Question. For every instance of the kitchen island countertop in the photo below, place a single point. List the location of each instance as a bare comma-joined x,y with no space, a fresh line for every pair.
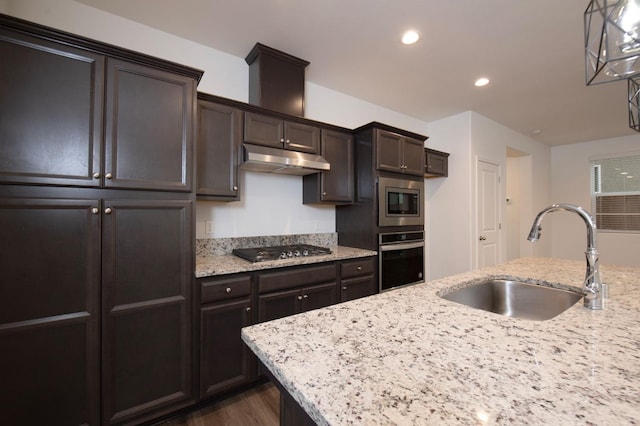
210,265
409,357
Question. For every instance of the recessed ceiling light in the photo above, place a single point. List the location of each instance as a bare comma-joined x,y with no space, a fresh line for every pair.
410,37
483,81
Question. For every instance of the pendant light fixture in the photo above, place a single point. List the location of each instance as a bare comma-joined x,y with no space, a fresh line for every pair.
612,40
634,103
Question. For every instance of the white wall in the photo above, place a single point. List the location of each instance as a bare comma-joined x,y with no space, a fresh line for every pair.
571,184
490,141
451,202
448,200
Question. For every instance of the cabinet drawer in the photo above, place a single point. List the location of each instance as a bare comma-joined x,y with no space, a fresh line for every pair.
355,268
224,289
295,278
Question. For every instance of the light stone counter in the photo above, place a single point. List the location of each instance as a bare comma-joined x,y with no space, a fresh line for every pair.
209,265
409,357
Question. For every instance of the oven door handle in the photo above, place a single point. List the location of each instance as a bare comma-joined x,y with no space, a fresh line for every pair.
402,246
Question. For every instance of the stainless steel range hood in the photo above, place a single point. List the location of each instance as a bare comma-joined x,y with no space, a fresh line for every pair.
273,160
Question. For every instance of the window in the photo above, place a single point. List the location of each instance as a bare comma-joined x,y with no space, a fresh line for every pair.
615,193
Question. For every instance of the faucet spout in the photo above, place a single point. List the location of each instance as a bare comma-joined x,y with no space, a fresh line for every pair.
593,287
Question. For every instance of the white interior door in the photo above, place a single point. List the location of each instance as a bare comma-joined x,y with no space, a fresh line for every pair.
488,209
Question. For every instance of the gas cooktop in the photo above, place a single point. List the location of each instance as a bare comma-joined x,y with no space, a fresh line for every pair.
261,254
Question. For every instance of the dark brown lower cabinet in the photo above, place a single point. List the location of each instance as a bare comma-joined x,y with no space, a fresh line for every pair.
283,303
49,311
95,308
225,361
358,278
146,309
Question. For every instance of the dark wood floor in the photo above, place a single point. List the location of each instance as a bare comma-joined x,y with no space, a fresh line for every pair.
259,406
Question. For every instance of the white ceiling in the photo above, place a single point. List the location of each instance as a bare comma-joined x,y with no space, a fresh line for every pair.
532,50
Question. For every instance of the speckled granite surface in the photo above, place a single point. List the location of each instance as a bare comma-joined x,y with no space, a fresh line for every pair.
222,246
209,265
409,357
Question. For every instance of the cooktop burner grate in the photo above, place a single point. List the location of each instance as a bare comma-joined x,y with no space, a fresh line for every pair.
262,254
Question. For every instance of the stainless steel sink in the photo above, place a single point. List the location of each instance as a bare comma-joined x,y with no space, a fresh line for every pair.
515,299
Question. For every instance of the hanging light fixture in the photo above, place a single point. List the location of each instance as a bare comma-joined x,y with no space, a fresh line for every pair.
634,103
612,40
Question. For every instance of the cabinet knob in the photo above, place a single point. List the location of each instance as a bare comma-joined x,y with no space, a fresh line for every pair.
228,290
287,142
305,296
248,308
344,288
324,193
359,268
96,175
108,210
483,238
95,210
108,176
235,188
299,297
282,140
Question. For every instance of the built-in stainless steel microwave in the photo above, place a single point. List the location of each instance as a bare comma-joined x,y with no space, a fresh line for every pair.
400,202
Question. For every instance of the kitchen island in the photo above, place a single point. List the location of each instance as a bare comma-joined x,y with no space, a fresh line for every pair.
409,357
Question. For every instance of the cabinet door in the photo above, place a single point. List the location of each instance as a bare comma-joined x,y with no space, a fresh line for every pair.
146,308
149,128
301,137
337,184
219,138
279,304
263,130
413,157
354,288
319,296
389,151
50,112
225,361
436,163
49,307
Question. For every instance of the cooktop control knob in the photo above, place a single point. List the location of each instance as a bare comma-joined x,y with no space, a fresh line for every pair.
305,252
296,253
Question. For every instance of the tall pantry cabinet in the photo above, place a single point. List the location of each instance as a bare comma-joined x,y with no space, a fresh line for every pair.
96,230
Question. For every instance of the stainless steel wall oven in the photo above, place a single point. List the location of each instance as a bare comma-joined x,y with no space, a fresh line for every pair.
401,259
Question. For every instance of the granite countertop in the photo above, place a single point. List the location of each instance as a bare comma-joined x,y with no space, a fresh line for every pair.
409,357
210,265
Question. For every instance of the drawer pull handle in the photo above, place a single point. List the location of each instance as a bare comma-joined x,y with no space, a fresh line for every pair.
228,290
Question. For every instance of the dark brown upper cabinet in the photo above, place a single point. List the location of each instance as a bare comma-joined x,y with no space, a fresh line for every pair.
51,111
57,97
436,163
271,131
149,128
399,154
336,185
218,151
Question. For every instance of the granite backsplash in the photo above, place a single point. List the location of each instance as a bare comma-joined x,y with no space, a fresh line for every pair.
222,246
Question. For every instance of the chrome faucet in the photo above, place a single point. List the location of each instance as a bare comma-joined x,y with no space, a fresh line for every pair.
593,287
